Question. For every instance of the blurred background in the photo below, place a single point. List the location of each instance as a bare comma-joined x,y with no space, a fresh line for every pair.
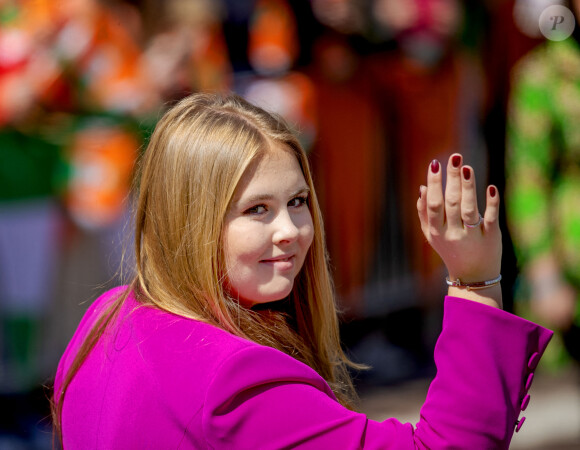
376,89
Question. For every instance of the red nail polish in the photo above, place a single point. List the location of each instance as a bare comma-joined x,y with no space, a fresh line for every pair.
434,166
455,160
492,191
466,173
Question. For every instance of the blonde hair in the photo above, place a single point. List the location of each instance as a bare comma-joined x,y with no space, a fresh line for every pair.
195,159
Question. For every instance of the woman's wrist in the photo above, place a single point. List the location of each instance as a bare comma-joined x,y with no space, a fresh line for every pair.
490,296
474,285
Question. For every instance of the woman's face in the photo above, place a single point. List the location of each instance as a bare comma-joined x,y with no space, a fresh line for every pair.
268,229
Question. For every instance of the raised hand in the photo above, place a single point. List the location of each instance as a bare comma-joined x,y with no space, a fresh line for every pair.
469,244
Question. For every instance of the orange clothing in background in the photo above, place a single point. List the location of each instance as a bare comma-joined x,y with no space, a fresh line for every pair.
348,163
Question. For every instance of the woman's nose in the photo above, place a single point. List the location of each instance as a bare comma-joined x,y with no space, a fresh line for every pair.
285,228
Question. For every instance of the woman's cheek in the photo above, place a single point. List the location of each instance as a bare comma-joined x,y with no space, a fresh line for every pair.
252,241
308,231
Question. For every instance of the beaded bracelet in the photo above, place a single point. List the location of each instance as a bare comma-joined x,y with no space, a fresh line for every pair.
475,285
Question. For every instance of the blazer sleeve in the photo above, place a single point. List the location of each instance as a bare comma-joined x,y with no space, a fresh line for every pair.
262,398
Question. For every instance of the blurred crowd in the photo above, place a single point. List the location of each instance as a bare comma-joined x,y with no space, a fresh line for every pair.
376,89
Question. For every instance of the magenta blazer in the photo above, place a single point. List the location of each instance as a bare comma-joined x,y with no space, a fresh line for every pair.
161,381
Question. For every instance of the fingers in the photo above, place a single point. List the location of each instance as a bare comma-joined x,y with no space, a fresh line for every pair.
422,209
434,200
458,207
491,217
469,209
453,194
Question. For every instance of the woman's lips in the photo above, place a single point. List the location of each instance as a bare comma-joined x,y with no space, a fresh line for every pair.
285,262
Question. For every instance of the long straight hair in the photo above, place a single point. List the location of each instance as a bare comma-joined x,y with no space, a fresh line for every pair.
196,157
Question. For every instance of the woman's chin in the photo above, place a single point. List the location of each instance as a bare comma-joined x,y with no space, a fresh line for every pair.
267,298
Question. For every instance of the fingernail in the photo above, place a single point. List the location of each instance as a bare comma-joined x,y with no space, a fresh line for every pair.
420,192
492,191
455,160
434,166
466,173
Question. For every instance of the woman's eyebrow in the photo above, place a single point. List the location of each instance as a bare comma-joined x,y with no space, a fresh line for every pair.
256,198
264,197
304,190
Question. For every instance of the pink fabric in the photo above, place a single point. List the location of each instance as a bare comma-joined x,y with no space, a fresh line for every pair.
164,381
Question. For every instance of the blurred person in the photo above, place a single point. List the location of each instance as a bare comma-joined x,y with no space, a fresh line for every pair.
187,52
30,214
90,104
103,57
107,101
344,16
273,81
543,183
227,337
112,104
349,139
31,222
66,69
430,93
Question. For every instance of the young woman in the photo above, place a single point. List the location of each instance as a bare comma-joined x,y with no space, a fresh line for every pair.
228,337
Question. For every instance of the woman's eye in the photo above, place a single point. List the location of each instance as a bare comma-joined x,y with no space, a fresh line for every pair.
298,201
258,209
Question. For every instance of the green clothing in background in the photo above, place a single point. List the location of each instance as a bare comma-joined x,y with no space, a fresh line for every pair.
28,165
543,158
543,171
